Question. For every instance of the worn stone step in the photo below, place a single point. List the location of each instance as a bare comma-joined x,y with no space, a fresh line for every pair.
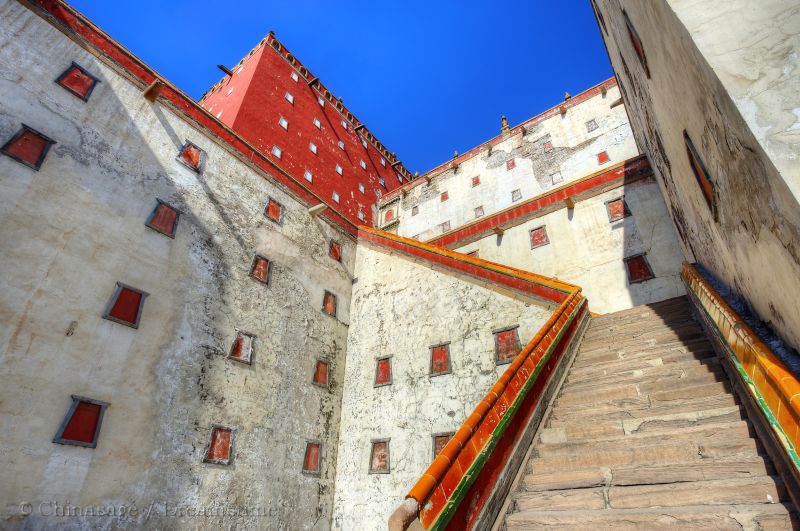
636,408
646,310
587,376
622,329
649,343
616,352
651,374
705,470
681,390
656,359
704,517
560,499
642,335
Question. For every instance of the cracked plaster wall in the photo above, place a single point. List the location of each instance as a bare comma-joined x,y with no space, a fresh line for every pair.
71,230
401,308
574,155
727,75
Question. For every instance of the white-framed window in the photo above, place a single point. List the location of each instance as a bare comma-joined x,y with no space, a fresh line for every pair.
317,123
341,144
382,182
344,124
230,91
289,97
339,169
308,176
399,178
313,147
363,164
378,193
277,151
284,123
295,77
361,215
364,143
383,162
335,197
321,101
361,188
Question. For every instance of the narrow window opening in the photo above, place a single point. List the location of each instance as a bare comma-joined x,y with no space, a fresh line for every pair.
638,268
220,446
440,359
81,424
78,81
383,371
125,306
329,304
539,237
28,147
379,457
274,211
163,219
311,460
507,344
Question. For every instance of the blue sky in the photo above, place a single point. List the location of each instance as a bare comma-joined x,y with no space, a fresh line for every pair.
426,77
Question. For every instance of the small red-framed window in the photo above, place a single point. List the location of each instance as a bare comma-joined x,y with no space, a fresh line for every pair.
511,164
312,458
125,306
476,181
638,268
81,424
506,344
260,269
444,197
539,237
603,157
243,347
192,156
335,251
379,457
617,209
164,219
388,216
321,373
440,359
548,146
440,440
274,211
700,174
636,41
329,303
383,371
220,446
28,147
78,81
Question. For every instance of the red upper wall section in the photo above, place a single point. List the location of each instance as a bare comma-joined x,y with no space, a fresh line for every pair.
253,101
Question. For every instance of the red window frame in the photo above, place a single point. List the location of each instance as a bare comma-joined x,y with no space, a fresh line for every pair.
440,359
321,376
383,371
161,217
603,157
540,243
476,181
386,467
611,207
238,344
312,458
186,157
78,81
638,268
335,250
329,303
220,447
511,164
444,197
13,148
261,269
273,211
82,422
501,338
119,308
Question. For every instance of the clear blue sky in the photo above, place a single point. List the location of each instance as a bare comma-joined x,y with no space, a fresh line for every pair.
427,77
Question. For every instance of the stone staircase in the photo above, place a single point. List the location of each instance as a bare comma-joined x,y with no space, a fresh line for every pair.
646,434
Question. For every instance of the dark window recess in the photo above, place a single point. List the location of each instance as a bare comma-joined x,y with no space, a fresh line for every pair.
414,210
243,347
78,81
260,269
379,457
511,164
329,303
192,156
440,359
164,219
125,306
311,459
220,446
321,373
473,253
617,209
335,251
81,425
274,211
600,17
678,224
700,174
507,344
440,441
476,181
638,268
636,41
383,371
603,157
539,237
591,125
28,146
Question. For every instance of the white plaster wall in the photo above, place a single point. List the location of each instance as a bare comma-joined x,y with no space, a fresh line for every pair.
401,308
725,74
588,250
574,156
71,230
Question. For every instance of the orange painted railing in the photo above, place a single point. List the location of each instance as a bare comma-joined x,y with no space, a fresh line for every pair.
774,389
454,489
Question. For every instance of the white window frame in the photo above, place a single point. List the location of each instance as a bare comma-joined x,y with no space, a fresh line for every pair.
288,96
312,147
283,122
278,152
308,176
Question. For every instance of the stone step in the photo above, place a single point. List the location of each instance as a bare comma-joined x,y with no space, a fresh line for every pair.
615,352
589,351
646,335
589,376
702,434
689,389
655,359
635,408
703,517
680,453
712,368
754,490
622,329
705,470
646,311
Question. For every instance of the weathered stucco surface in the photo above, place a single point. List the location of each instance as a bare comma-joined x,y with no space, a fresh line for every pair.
71,230
574,155
588,250
739,126
401,308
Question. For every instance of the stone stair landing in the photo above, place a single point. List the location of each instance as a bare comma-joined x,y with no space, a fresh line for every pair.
645,434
